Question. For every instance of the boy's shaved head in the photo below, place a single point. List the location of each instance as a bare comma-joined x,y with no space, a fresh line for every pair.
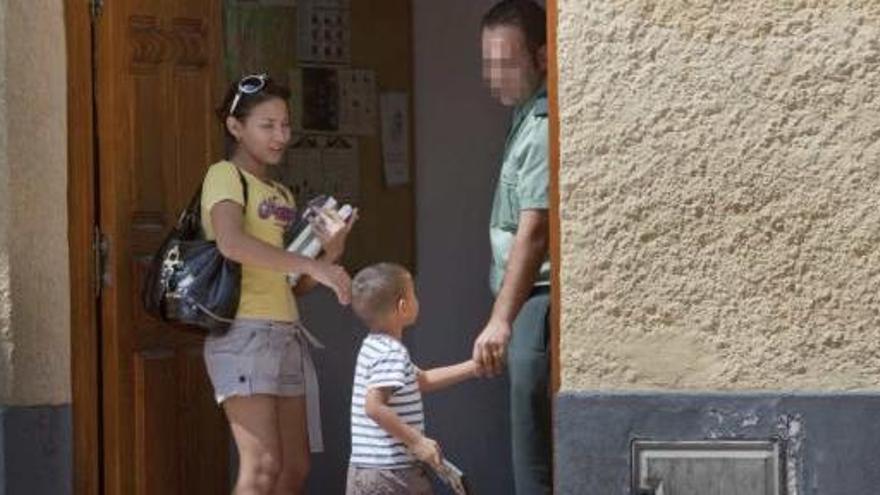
376,289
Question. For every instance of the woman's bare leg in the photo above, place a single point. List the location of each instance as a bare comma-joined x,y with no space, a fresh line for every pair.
295,454
254,423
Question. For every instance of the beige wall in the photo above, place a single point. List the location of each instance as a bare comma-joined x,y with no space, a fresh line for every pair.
34,294
720,184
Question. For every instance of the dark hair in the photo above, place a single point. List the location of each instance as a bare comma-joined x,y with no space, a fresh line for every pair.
376,289
527,15
246,103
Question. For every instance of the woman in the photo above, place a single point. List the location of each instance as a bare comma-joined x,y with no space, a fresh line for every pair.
261,369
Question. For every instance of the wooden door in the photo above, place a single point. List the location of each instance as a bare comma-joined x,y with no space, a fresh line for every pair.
157,73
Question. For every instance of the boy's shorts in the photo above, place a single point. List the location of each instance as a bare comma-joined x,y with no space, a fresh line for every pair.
374,481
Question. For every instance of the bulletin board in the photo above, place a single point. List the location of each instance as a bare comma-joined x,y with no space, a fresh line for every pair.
349,64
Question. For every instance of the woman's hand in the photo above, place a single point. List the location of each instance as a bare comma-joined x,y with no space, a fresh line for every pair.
333,232
334,277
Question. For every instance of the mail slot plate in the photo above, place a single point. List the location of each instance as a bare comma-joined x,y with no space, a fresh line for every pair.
739,467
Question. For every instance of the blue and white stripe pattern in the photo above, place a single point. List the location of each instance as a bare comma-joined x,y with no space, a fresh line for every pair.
383,362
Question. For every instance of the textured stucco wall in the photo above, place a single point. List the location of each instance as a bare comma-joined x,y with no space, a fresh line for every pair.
720,185
35,339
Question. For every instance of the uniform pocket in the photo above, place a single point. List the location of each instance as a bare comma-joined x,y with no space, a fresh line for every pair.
505,214
531,328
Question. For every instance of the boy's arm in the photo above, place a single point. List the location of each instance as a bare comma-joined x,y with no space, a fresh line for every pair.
376,407
438,378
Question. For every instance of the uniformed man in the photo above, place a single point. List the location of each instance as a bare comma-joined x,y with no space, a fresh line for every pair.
517,332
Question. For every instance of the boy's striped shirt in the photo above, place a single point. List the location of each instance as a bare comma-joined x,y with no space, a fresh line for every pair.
384,362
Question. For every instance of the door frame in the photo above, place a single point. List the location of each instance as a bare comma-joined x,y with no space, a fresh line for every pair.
82,205
555,210
85,348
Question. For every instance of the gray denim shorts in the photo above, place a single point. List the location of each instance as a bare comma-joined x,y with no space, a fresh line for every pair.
267,357
373,481
257,357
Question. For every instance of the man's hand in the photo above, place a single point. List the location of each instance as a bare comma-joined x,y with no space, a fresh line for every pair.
490,348
428,451
529,250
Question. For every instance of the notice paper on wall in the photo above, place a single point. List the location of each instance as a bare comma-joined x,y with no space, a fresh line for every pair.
335,100
395,137
341,167
357,93
328,165
266,3
324,31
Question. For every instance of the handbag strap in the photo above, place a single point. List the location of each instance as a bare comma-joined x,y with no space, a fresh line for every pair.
244,186
284,192
195,204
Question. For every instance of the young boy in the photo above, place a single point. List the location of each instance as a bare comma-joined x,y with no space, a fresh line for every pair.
387,421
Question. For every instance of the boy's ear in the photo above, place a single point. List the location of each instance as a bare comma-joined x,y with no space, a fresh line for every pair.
401,305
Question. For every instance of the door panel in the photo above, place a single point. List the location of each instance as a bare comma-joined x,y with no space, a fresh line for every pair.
157,78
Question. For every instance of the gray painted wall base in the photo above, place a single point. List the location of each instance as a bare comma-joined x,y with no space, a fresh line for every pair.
831,442
36,447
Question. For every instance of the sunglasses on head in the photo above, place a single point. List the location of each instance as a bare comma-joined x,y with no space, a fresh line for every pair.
248,85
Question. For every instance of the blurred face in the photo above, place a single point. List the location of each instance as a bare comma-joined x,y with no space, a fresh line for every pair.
511,71
264,134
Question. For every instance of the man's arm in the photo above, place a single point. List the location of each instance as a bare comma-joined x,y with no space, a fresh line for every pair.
528,252
446,376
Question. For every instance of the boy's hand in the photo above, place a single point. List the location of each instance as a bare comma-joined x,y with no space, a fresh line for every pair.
473,368
428,451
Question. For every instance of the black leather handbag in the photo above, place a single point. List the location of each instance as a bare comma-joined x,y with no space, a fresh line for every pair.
189,281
